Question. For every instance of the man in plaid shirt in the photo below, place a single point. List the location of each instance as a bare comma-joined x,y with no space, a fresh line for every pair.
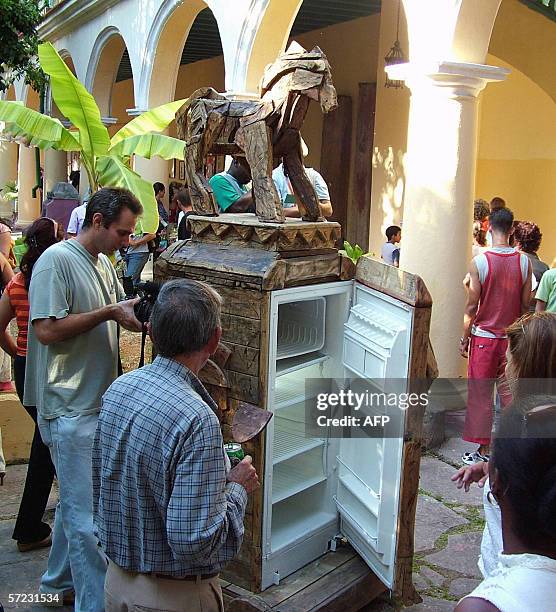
168,510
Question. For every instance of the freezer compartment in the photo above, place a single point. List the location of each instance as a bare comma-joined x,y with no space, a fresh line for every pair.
300,327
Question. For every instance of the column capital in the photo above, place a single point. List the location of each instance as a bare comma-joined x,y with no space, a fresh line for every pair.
135,112
459,80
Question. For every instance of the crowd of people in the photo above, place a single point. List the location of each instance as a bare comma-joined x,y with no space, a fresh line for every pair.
150,509
125,473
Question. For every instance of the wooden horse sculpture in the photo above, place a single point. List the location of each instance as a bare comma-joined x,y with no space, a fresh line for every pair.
264,131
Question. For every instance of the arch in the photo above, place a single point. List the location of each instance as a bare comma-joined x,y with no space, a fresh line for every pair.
456,31
165,42
103,67
529,46
66,56
264,40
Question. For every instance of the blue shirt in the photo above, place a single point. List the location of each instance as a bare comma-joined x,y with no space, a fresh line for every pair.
161,500
284,189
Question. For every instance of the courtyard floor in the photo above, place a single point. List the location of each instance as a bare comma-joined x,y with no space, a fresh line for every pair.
448,534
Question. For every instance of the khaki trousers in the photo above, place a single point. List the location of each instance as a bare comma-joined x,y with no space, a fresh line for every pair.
131,592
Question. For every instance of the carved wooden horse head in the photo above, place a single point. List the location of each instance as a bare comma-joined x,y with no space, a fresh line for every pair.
303,72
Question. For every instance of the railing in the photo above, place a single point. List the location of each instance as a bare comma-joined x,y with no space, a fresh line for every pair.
49,5
546,7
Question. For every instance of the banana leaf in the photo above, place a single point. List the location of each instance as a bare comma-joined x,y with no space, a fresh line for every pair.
147,145
75,103
35,129
155,120
112,172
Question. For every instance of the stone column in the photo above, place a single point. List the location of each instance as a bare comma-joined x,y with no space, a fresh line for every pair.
153,170
8,172
440,180
55,168
28,206
83,182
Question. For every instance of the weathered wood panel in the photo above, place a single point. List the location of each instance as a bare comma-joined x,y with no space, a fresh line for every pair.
336,146
243,387
244,359
240,330
419,370
348,589
404,286
359,213
311,270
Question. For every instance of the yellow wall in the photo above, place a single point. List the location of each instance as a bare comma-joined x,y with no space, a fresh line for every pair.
122,99
190,77
517,152
352,49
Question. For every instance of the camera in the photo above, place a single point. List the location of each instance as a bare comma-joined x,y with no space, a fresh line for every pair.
148,292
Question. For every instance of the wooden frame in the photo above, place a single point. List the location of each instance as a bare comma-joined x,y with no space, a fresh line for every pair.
181,170
245,278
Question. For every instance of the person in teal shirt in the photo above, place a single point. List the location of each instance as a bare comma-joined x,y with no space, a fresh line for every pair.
229,188
546,293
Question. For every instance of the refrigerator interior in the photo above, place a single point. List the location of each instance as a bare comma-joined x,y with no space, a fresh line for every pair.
300,516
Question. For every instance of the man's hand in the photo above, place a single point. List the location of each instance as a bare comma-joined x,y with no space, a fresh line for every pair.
465,476
245,474
464,347
125,316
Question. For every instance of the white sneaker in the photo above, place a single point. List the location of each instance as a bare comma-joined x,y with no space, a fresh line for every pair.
474,457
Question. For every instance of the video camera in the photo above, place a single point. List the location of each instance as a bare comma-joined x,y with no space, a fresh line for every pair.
148,292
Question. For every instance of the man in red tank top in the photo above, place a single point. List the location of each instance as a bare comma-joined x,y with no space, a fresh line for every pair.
499,293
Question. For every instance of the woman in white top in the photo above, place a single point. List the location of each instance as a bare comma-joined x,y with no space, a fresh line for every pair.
530,370
522,476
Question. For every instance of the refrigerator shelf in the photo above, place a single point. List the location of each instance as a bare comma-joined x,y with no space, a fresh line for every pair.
293,476
292,364
300,327
290,442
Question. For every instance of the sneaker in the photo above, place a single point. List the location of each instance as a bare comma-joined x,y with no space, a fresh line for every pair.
474,457
28,546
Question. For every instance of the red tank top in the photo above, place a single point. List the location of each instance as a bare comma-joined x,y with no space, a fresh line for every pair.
500,303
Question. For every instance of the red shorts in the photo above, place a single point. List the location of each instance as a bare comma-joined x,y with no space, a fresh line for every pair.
487,362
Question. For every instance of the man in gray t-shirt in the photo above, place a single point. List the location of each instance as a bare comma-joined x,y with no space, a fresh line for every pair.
72,359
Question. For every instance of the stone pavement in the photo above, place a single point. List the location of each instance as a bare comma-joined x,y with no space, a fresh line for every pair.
447,540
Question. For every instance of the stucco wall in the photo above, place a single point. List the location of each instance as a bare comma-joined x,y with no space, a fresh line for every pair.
517,152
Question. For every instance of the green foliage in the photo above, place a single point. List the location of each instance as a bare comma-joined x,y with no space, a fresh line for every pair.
18,32
9,191
105,160
353,252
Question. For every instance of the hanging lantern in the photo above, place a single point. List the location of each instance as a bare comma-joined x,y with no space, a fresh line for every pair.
395,56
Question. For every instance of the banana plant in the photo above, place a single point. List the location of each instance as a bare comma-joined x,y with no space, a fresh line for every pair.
105,159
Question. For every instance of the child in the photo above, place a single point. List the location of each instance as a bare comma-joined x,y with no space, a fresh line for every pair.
390,251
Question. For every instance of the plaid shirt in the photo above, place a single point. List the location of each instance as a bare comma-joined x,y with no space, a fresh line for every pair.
161,501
